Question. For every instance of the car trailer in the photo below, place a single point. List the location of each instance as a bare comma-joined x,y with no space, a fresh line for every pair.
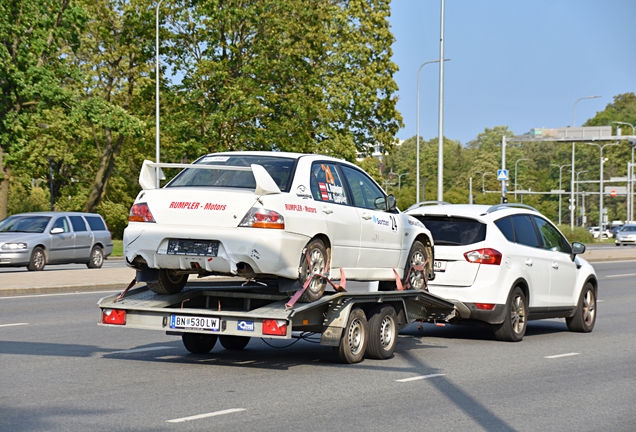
355,324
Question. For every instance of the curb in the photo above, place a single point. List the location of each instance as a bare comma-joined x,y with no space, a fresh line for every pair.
62,289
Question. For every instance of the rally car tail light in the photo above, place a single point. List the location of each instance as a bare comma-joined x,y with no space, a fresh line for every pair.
263,218
114,316
484,256
140,213
274,327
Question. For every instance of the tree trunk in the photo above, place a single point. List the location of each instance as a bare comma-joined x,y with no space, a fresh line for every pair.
4,188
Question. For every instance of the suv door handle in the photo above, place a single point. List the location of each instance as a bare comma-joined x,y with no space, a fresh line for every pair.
555,266
529,262
366,216
327,210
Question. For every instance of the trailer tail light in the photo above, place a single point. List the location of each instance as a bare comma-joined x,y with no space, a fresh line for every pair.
485,306
114,316
484,256
140,213
262,218
274,327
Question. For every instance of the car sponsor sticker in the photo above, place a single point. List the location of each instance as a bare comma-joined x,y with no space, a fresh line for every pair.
245,326
215,159
385,223
187,205
302,192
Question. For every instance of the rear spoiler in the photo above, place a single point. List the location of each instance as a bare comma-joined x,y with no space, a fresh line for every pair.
265,184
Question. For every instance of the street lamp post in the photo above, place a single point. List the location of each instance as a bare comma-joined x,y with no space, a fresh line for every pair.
560,176
600,194
399,178
577,188
483,174
516,175
573,163
157,73
417,132
630,189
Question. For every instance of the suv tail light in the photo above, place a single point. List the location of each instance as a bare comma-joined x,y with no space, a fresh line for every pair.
484,256
262,218
140,213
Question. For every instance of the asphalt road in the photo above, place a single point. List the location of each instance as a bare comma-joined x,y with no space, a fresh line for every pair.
59,371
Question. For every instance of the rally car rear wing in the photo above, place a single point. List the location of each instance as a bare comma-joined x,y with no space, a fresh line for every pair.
265,184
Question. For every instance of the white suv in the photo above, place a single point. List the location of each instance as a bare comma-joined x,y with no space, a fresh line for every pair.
507,264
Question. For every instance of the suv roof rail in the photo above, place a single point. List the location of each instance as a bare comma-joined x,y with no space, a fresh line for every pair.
425,203
510,205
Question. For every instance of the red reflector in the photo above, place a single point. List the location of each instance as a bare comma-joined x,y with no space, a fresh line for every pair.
274,327
114,316
485,306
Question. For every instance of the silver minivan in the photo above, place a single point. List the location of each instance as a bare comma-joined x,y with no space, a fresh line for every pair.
37,239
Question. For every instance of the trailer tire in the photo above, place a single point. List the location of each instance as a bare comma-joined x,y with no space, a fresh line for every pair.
234,343
318,262
198,343
38,260
383,332
169,282
585,316
353,342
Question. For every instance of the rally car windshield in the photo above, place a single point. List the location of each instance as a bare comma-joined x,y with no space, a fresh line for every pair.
279,168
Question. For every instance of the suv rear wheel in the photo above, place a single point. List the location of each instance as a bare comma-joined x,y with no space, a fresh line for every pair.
516,320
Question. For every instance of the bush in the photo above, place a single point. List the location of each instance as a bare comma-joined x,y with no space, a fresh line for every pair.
580,234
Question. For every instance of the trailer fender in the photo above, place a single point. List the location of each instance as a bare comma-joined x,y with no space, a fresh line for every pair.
336,320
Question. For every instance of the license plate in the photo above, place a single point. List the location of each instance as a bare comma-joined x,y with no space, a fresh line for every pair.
194,323
193,247
439,266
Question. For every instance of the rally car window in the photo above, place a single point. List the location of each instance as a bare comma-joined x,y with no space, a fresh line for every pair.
325,183
364,192
279,168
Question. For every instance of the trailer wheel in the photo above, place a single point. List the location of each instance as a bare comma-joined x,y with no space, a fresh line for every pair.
234,343
383,332
38,260
585,315
198,343
353,342
318,259
169,282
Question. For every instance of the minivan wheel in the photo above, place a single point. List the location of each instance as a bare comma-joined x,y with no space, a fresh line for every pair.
38,260
97,258
516,320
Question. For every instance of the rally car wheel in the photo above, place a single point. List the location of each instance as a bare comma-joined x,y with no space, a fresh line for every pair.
317,263
169,282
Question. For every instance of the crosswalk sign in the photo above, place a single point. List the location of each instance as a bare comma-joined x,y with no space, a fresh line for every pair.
502,174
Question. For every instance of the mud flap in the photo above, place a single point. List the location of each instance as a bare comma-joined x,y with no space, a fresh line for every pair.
334,323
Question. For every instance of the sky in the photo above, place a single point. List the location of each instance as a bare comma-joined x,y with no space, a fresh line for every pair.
516,63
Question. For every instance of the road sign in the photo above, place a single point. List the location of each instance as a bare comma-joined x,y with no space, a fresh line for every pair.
613,193
502,174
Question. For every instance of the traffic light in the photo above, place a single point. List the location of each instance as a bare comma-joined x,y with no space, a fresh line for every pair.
504,199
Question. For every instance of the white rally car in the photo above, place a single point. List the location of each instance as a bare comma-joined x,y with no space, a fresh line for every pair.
279,218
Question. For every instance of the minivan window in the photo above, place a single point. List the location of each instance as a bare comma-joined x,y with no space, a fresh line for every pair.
454,231
61,222
26,224
96,223
78,223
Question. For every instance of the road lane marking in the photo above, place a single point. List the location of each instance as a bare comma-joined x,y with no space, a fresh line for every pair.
59,294
200,416
11,325
137,350
421,377
621,275
561,355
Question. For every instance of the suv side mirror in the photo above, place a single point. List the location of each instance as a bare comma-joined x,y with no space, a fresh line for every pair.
577,249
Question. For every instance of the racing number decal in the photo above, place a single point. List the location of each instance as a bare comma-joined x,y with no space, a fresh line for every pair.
328,175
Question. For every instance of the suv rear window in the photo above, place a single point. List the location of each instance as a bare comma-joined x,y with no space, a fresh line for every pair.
454,231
